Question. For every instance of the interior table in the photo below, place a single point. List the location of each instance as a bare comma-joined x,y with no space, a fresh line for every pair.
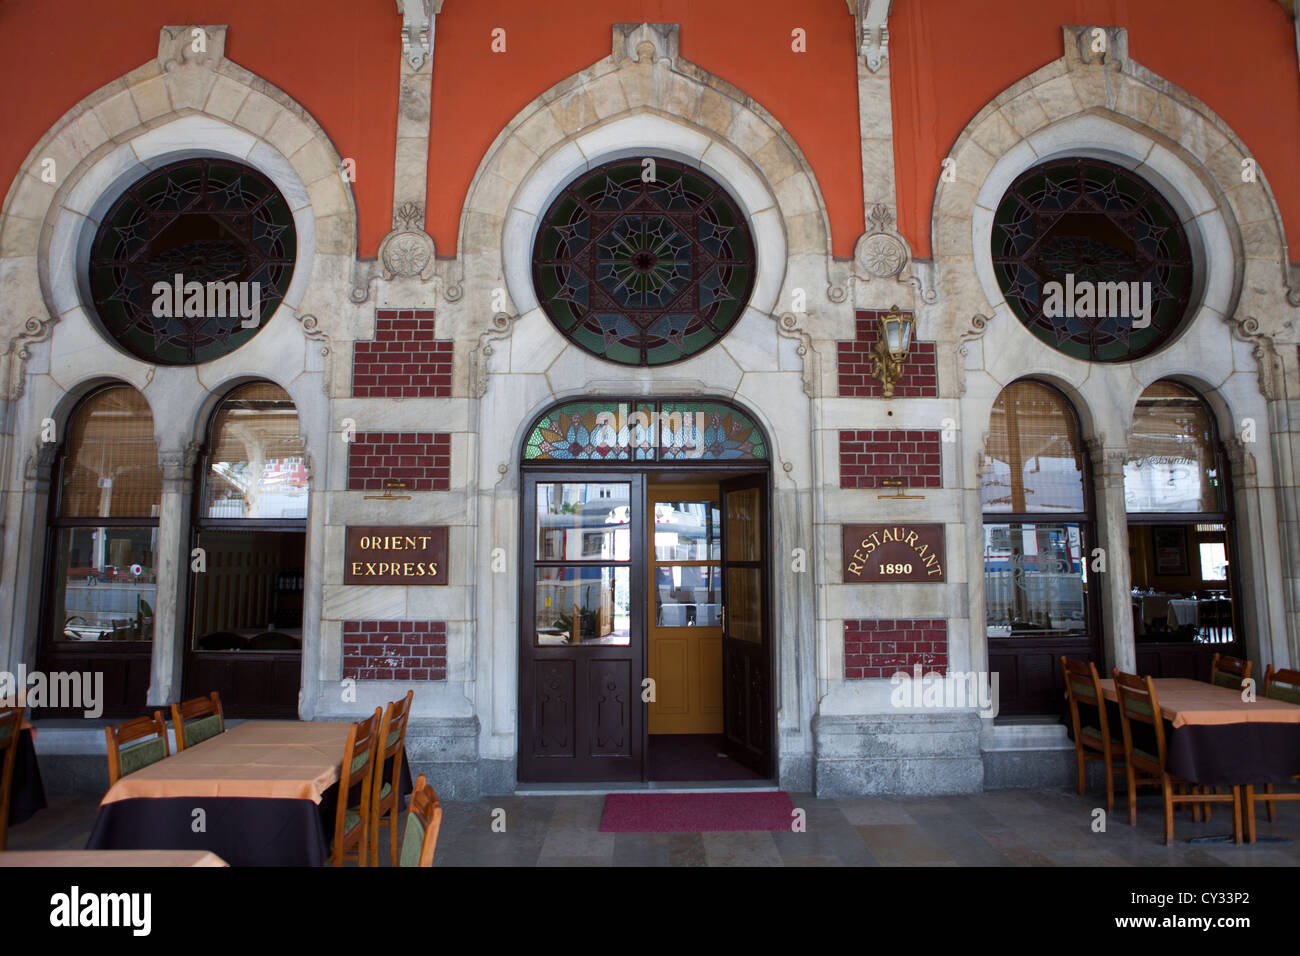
263,793
1214,738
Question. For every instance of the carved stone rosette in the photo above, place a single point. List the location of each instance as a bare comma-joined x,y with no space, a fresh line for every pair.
407,251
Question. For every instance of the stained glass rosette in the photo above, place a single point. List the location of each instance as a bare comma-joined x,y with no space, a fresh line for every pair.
1101,224
209,221
644,272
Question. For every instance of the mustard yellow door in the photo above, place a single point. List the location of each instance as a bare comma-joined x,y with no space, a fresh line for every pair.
685,608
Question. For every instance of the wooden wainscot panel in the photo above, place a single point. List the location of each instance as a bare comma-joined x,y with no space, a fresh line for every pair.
391,554
892,553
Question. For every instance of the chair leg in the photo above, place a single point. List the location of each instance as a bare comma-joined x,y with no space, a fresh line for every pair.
1168,792
1270,805
1248,812
1132,796
1237,808
1110,786
393,816
373,827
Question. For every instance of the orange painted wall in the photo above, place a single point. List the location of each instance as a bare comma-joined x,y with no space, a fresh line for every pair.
747,42
948,58
338,58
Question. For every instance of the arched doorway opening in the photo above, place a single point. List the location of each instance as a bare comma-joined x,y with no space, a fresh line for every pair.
645,641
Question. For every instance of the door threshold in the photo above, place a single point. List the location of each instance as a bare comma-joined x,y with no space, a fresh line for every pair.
656,786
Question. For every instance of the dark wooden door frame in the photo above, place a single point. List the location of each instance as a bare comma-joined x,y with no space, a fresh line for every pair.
641,473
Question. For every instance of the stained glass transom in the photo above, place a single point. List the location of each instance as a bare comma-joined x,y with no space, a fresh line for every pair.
192,260
644,272
663,431
1092,259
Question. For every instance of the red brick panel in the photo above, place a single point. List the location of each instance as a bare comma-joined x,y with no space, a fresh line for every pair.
395,650
920,378
880,649
421,459
866,457
403,360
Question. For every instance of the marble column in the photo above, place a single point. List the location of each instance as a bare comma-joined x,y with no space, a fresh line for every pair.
173,575
1116,582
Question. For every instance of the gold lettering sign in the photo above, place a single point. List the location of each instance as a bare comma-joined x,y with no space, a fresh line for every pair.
395,555
893,553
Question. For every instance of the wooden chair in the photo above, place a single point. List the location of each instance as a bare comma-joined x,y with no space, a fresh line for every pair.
422,824
1093,739
194,721
11,726
385,796
1138,704
1284,685
1229,672
123,759
351,827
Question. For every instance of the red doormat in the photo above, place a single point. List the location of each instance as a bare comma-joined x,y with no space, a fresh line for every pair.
695,812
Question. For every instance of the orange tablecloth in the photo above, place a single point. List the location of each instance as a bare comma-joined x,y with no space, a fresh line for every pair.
267,758
79,858
1186,702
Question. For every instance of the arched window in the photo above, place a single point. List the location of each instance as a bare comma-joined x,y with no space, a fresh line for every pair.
102,583
1038,531
250,524
1180,526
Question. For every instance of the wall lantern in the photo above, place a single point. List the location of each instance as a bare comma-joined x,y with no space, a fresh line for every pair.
892,347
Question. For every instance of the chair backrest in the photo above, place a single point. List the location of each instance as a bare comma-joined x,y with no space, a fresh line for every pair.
1138,702
359,760
1083,689
1283,684
422,824
194,721
125,755
392,740
1228,671
222,641
273,641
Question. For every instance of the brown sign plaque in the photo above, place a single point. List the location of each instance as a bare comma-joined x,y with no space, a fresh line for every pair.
393,554
893,553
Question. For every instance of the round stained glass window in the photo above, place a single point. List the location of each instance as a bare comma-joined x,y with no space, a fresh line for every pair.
1092,259
192,260
644,273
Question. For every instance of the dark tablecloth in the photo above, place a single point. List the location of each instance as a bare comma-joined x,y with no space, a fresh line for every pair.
243,831
29,791
1223,755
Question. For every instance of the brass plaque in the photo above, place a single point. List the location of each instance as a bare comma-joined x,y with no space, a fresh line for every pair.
893,553
395,554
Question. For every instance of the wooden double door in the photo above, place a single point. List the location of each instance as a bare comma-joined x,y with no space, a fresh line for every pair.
644,608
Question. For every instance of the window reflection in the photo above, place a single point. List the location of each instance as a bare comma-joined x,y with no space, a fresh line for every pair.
257,467
583,605
1035,579
583,521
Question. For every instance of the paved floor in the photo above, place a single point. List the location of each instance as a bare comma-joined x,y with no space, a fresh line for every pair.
995,828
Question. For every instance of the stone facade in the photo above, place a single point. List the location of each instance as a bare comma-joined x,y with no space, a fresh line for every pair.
428,370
